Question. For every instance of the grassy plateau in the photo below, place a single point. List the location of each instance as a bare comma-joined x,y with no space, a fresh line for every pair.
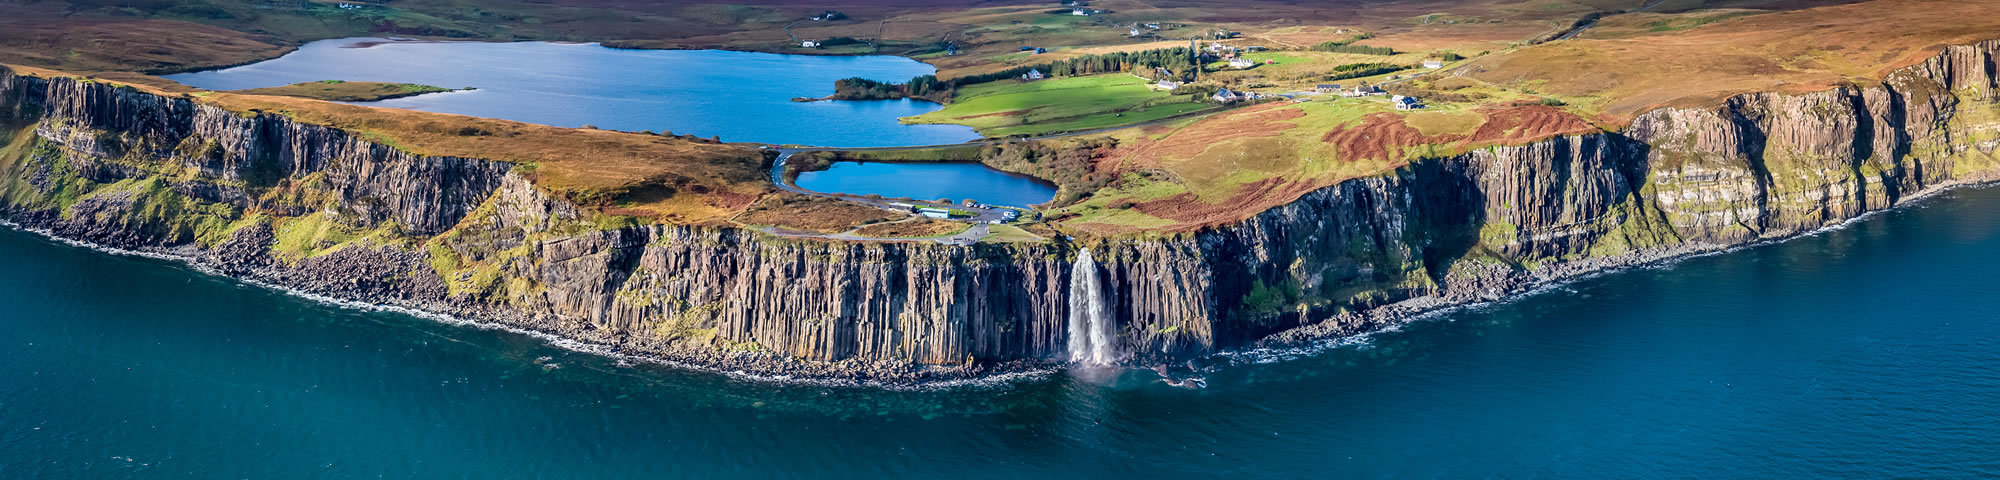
1013,107
1500,84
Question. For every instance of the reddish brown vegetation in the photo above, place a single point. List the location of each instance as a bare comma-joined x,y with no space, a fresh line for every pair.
812,214
1195,214
1383,135
95,45
1378,136
1518,125
1259,121
911,229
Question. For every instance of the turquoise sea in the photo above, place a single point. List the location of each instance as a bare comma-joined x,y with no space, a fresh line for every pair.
1871,351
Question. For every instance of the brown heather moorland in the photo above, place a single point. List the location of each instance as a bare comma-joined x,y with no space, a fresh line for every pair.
1177,176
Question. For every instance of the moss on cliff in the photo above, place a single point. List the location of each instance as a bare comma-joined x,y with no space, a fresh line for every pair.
39,175
305,236
151,206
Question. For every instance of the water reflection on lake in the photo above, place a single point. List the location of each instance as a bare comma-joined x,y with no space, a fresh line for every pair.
739,96
929,181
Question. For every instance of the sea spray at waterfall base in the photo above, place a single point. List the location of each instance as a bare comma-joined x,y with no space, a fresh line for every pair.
1641,373
1093,340
1392,241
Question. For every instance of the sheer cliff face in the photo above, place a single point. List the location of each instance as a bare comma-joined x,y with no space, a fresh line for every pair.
257,195
105,135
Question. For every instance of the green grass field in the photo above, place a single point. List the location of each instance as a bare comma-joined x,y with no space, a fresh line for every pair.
1008,107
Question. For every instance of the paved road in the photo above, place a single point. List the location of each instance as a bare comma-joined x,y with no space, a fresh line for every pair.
996,141
1580,28
970,235
980,214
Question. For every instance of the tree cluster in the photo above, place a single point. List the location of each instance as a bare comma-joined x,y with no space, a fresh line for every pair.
1071,165
1358,70
1348,46
1175,59
925,87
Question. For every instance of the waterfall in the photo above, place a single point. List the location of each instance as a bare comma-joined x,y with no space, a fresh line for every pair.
1093,339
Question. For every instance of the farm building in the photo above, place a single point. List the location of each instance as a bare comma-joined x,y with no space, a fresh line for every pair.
1225,96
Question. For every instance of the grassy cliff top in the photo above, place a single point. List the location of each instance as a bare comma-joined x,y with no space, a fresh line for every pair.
671,179
1012,107
1224,168
345,91
1176,176
1188,175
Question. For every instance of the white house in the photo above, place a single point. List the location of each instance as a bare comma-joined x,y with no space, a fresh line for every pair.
1241,63
1406,103
1225,96
1135,32
1079,12
809,44
1433,63
1168,85
1032,75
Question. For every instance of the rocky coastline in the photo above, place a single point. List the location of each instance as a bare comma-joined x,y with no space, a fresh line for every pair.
474,239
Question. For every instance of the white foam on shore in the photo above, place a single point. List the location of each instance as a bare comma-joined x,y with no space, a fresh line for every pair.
558,341
1245,356
1366,340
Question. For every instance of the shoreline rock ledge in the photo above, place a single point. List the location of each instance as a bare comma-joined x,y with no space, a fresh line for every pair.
473,238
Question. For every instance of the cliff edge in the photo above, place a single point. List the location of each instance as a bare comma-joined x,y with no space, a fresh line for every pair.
270,198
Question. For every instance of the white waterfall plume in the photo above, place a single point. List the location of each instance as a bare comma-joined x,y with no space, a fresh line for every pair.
1093,340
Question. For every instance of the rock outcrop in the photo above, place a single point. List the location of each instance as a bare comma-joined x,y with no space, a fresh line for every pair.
319,209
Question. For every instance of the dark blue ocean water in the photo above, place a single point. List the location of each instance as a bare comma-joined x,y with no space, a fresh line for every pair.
929,181
1867,352
740,96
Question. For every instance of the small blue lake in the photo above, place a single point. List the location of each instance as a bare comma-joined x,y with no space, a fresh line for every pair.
929,181
739,96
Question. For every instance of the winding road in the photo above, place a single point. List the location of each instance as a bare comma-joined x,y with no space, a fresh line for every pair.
1578,29
979,230
981,216
971,235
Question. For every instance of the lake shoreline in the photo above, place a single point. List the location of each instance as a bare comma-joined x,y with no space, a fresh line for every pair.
743,97
794,175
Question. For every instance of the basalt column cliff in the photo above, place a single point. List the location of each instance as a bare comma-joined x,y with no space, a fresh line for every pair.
322,210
